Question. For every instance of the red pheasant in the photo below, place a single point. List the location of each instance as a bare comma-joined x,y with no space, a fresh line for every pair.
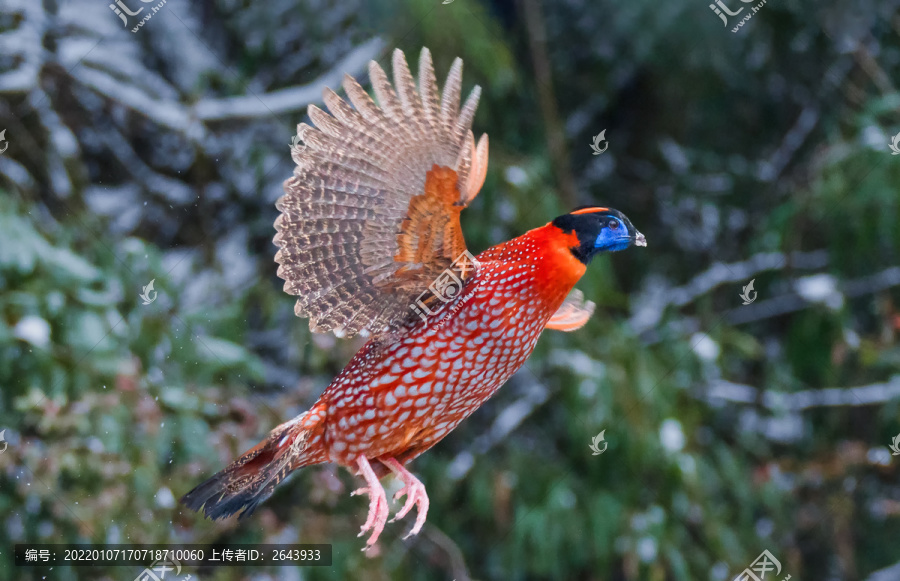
370,242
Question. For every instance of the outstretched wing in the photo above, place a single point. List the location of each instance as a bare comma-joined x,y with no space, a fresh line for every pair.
370,217
572,314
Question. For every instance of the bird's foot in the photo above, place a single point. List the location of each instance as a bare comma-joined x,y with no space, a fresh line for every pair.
415,495
378,507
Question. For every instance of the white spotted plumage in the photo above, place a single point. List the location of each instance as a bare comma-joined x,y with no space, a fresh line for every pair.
370,221
429,377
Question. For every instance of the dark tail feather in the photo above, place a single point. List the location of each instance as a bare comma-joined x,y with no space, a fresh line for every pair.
252,478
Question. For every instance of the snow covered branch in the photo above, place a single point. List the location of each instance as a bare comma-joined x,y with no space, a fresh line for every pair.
657,297
291,98
887,574
827,290
187,118
876,393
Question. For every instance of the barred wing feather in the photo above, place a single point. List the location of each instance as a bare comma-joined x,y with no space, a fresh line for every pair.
371,215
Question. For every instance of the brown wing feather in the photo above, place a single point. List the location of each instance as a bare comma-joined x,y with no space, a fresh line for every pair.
371,214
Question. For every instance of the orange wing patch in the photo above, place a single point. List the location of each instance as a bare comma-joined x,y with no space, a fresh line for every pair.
431,230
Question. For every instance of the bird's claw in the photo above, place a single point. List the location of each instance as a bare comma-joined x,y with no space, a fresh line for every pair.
415,494
413,489
378,514
378,505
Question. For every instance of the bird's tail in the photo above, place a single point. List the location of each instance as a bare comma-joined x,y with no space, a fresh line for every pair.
252,478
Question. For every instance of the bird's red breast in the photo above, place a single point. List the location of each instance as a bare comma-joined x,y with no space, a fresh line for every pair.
398,397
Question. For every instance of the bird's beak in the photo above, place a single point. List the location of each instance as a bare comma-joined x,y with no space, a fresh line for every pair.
639,239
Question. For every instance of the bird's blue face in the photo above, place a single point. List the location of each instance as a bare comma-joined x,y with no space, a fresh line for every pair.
613,236
599,230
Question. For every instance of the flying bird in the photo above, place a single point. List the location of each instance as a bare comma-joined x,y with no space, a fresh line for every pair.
370,242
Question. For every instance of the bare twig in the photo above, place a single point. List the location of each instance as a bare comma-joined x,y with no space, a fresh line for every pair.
868,63
173,190
770,169
455,558
537,42
796,136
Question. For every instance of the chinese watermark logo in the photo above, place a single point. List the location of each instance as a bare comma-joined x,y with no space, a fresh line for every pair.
746,293
121,10
125,10
721,10
4,443
595,444
446,287
158,569
3,140
895,445
145,294
894,144
765,563
295,141
596,143
724,10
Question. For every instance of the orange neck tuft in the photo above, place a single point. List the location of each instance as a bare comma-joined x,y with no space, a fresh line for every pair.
549,249
560,269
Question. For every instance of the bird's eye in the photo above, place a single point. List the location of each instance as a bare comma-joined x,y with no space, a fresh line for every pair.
613,224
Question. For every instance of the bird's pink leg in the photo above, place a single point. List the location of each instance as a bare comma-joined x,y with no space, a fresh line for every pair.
415,495
378,509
